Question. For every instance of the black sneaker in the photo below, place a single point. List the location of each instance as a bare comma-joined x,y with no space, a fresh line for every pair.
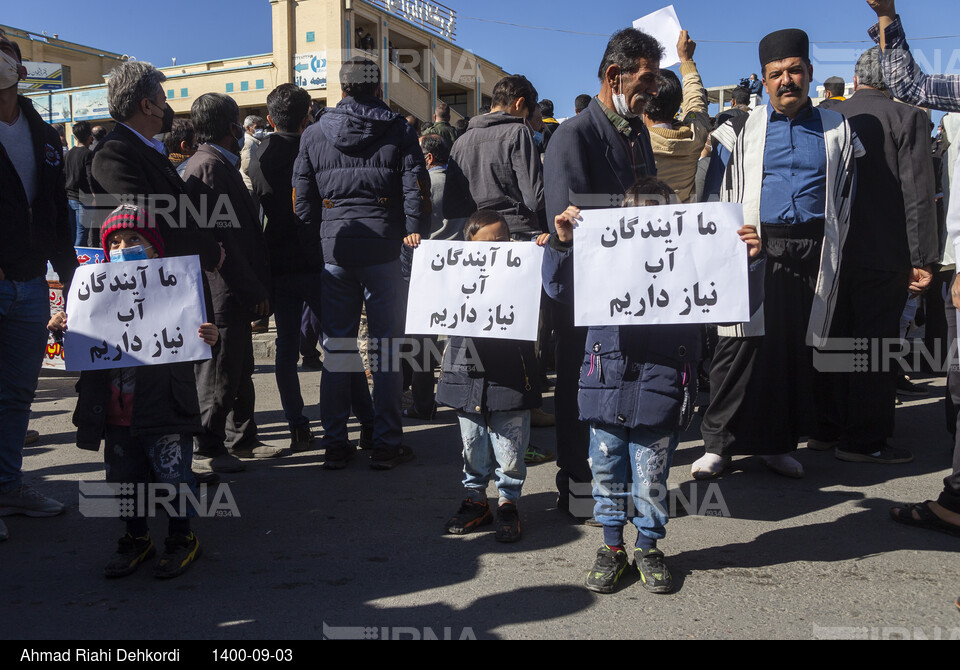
366,438
907,388
469,517
336,458
508,523
388,459
606,570
179,553
301,439
131,552
653,571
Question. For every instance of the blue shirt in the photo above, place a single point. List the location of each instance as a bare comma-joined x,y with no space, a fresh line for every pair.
794,168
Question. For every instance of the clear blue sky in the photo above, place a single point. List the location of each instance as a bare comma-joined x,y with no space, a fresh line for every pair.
561,65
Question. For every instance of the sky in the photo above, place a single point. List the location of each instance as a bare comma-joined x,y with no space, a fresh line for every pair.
561,65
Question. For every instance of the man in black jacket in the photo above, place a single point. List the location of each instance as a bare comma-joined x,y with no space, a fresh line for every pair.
34,228
296,262
79,164
240,289
891,247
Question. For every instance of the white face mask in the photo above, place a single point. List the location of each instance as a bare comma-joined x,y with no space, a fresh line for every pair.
620,103
9,72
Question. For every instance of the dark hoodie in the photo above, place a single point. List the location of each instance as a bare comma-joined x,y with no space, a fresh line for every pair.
361,177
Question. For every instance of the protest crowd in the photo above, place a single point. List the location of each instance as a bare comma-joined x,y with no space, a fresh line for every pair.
840,237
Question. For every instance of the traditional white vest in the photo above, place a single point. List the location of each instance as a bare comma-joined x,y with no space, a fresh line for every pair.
743,184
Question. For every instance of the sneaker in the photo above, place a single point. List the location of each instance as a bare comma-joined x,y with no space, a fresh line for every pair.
131,552
905,387
653,571
606,570
469,517
301,439
336,458
366,438
258,451
259,327
32,438
3,532
887,455
508,523
312,363
541,419
224,464
388,459
27,500
179,553
536,455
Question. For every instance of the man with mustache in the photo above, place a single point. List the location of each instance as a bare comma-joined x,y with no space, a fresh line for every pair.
792,167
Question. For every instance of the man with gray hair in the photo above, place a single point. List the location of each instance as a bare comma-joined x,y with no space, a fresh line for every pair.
129,163
892,244
253,129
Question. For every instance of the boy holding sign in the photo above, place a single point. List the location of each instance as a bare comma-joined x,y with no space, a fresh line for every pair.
493,385
637,392
147,417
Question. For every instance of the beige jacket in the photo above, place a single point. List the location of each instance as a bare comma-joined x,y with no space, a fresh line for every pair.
677,150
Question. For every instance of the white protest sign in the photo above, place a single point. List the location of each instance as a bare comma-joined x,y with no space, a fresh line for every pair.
665,27
673,264
476,289
123,315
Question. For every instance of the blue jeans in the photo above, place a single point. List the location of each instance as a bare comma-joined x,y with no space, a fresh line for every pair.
630,466
24,313
79,223
290,293
344,293
495,444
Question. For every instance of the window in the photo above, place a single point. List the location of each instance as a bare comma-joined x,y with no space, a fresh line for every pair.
184,93
170,93
259,84
311,37
244,85
229,88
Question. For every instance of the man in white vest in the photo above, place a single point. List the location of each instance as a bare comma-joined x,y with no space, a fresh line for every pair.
792,168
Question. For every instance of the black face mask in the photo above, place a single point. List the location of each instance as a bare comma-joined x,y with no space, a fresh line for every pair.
167,122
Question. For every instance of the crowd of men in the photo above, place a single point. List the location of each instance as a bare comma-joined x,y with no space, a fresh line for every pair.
843,197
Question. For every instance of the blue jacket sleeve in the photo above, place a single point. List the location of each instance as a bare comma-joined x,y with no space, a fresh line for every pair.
557,270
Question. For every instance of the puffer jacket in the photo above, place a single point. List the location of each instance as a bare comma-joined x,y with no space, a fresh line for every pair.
361,176
631,376
480,375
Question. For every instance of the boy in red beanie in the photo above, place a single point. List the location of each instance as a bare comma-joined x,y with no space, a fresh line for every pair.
146,415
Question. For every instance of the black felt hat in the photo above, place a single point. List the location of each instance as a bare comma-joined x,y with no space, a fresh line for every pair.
783,44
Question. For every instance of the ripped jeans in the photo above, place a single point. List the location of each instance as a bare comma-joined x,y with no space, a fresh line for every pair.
151,459
494,445
630,469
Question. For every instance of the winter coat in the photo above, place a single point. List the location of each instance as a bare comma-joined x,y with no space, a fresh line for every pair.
480,375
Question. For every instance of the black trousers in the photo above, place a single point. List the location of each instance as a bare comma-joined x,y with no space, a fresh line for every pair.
225,388
761,388
573,435
950,497
857,408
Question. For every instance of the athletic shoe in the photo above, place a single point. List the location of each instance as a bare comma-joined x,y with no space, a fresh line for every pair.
180,551
259,450
131,552
336,458
469,517
536,455
388,459
606,570
32,438
541,419
28,501
301,439
508,523
654,574
224,464
886,456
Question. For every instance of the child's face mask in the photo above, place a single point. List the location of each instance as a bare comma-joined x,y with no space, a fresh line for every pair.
137,253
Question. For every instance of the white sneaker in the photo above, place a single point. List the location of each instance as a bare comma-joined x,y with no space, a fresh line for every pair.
784,465
709,466
27,500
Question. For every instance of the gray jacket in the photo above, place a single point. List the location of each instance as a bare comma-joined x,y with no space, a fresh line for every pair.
496,165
